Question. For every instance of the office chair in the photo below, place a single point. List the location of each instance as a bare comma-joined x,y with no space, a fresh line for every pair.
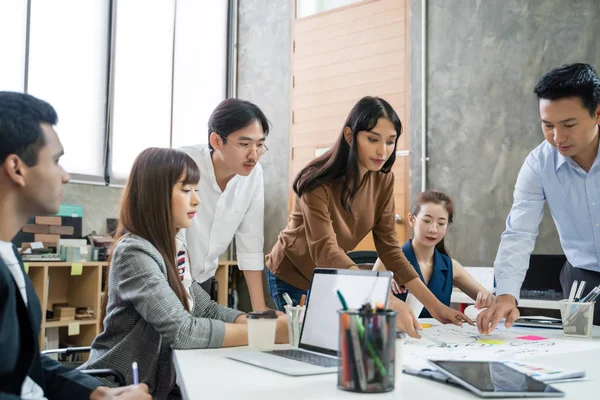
365,259
117,376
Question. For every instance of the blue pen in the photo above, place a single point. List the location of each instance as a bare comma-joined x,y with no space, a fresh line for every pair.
136,378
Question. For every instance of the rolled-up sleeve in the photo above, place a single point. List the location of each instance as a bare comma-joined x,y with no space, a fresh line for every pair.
518,239
250,237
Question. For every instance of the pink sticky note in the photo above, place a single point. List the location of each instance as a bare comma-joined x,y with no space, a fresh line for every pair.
531,337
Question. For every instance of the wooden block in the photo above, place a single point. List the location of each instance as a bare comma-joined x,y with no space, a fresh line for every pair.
48,220
64,313
27,245
29,228
61,230
47,238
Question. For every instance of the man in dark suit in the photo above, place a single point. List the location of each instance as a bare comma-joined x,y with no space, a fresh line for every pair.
31,181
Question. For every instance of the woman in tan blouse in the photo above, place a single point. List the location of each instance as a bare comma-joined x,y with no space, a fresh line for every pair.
341,197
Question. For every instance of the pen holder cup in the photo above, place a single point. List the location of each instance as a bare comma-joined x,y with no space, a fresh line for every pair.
577,318
367,351
295,319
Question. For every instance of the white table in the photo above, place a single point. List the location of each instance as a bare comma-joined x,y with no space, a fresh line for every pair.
459,297
207,374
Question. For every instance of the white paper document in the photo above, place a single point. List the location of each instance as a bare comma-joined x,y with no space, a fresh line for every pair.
450,342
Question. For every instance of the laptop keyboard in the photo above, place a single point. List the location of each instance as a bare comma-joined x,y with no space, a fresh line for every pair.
304,356
541,294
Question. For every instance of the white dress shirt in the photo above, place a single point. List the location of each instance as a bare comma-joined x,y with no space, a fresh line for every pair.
573,197
238,210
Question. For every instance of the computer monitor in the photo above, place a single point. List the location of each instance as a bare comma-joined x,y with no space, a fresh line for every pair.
544,272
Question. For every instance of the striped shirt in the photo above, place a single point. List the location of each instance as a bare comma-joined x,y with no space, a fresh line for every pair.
183,269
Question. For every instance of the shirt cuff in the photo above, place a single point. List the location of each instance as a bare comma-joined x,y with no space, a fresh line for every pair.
507,286
230,315
251,261
217,334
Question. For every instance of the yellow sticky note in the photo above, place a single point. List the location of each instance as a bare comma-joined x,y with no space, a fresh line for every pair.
426,325
76,268
490,341
73,329
26,267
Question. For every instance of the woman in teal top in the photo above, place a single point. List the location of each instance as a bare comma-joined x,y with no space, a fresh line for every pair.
430,216
440,280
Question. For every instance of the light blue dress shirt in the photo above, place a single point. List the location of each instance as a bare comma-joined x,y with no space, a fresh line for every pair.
573,197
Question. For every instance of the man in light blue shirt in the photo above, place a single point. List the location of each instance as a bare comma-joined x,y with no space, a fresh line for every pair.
564,171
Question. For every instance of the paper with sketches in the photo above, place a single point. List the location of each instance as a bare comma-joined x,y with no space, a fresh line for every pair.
465,343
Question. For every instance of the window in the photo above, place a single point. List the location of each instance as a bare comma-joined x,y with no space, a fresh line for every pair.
200,68
13,31
142,80
123,75
68,63
305,8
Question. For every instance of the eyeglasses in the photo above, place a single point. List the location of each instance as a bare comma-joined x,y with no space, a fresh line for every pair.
247,148
428,222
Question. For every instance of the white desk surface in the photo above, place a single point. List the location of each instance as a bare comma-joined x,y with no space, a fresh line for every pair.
207,374
461,297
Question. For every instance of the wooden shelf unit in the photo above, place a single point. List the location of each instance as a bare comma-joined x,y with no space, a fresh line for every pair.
54,283
85,290
222,278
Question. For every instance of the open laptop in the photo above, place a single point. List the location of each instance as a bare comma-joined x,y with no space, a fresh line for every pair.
319,339
542,280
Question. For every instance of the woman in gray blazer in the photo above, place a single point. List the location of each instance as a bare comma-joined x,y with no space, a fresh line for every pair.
151,305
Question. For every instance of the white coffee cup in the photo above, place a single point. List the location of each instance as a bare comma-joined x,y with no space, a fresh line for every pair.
261,330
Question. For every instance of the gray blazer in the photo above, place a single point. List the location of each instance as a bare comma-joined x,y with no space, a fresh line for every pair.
145,319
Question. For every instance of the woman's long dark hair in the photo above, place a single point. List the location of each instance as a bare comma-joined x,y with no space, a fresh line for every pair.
341,161
146,207
434,197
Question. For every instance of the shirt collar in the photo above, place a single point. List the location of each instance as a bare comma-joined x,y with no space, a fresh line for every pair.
210,168
560,160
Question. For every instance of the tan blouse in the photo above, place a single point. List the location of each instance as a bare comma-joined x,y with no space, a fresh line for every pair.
321,231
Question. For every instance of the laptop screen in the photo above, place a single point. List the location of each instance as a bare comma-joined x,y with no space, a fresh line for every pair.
320,330
544,272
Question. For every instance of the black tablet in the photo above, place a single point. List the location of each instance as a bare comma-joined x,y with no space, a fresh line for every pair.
494,379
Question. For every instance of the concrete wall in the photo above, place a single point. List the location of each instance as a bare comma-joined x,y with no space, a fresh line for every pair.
264,45
264,74
98,202
484,58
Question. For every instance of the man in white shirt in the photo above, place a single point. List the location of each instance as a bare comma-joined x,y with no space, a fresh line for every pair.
232,196
31,181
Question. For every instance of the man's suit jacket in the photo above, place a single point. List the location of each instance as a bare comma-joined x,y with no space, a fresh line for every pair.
19,352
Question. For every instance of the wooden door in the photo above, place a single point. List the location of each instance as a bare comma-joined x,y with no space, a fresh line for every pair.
338,57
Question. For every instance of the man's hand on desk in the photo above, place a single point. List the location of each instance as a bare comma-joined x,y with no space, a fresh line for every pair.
505,306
